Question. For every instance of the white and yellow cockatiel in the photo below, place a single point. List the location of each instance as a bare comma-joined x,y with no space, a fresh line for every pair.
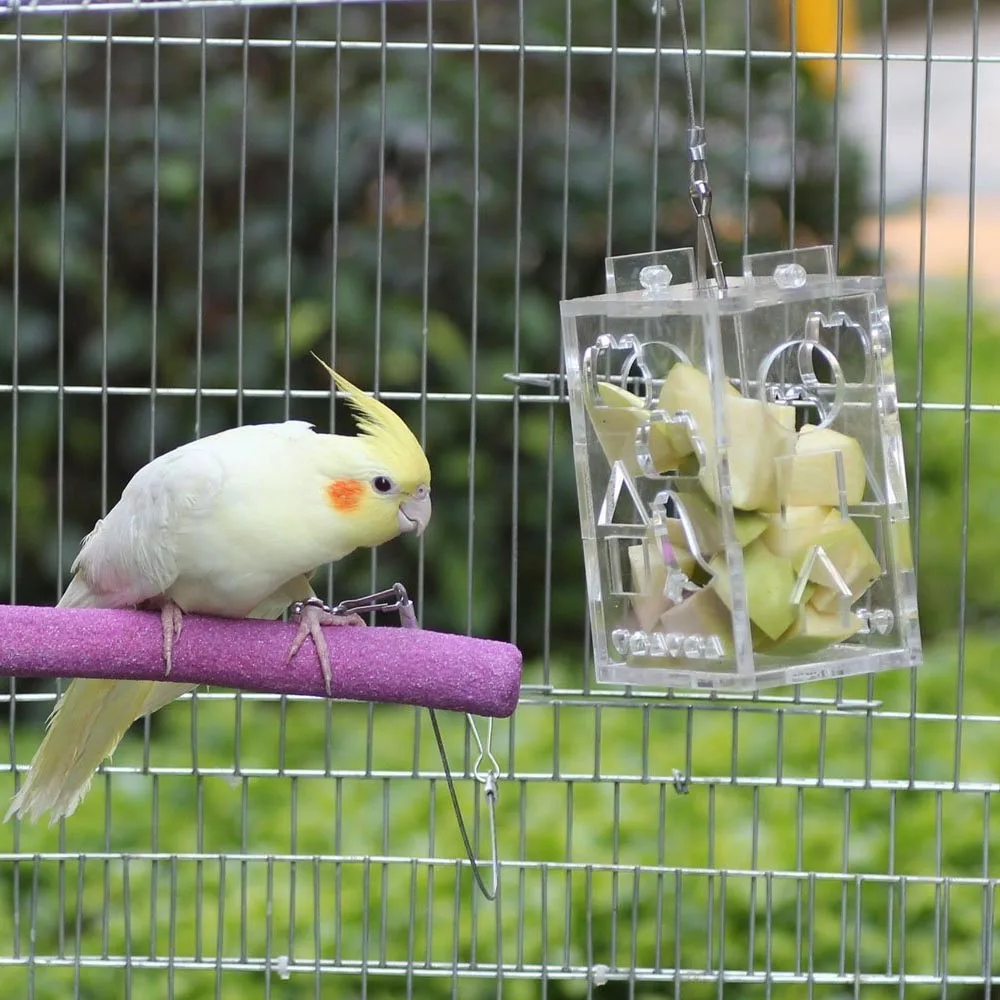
232,525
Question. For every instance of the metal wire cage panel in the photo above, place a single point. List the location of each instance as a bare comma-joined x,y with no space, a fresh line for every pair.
196,197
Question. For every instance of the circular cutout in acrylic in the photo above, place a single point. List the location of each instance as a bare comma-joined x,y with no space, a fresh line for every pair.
636,356
596,360
602,348
840,322
807,389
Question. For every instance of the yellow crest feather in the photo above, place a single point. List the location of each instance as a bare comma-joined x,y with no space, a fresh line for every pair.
392,440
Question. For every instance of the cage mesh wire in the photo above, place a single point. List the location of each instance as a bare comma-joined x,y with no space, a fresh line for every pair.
826,840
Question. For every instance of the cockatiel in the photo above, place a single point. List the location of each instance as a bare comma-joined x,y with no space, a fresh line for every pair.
232,525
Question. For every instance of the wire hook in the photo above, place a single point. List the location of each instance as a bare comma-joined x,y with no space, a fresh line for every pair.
397,599
491,791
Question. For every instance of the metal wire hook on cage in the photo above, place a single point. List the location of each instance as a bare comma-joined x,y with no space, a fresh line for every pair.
397,599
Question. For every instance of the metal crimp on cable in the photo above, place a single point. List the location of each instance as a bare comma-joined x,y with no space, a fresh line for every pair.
699,188
701,200
397,599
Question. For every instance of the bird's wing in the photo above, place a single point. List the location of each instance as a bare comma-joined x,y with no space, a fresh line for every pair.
130,556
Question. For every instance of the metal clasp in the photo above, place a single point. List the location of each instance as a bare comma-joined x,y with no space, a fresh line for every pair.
397,599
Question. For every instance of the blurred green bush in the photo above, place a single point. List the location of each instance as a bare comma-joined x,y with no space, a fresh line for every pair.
938,355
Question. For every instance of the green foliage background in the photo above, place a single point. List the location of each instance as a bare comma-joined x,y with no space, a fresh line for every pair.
198,271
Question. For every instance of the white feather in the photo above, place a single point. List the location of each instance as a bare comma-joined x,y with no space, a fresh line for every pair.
229,525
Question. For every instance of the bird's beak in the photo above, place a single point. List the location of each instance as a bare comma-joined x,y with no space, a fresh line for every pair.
414,514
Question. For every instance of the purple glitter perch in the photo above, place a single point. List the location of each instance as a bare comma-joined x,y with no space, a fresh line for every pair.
398,665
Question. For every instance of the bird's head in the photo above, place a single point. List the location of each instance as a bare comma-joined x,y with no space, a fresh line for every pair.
380,478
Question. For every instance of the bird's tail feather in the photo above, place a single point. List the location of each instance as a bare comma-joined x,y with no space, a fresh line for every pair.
92,716
86,726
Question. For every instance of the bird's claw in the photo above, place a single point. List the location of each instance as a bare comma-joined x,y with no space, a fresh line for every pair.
312,617
172,619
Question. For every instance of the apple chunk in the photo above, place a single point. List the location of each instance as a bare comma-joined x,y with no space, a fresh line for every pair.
769,581
789,534
813,631
846,547
903,548
616,422
649,579
749,526
706,523
701,613
809,477
758,433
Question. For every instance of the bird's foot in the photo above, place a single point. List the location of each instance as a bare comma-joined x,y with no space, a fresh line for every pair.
172,619
312,616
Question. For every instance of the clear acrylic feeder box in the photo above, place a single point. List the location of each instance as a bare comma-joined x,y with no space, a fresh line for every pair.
740,471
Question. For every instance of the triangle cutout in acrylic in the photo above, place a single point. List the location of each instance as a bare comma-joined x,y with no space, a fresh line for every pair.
622,504
817,554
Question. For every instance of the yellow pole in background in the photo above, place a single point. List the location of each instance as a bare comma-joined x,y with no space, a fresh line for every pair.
816,31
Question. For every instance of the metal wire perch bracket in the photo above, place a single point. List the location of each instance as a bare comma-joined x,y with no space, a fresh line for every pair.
485,770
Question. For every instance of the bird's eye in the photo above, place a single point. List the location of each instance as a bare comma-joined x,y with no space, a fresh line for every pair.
382,484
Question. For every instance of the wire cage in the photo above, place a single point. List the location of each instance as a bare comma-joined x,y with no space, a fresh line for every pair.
197,196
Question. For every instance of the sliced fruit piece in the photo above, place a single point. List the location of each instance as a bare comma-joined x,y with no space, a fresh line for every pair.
685,386
702,613
616,423
813,631
685,561
848,550
676,533
649,578
689,464
708,529
758,433
810,477
687,379
790,534
903,547
704,519
749,526
769,580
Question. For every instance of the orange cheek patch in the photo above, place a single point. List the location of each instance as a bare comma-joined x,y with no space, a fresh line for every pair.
345,494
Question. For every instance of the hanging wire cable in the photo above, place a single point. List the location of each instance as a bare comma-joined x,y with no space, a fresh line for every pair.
707,251
397,599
